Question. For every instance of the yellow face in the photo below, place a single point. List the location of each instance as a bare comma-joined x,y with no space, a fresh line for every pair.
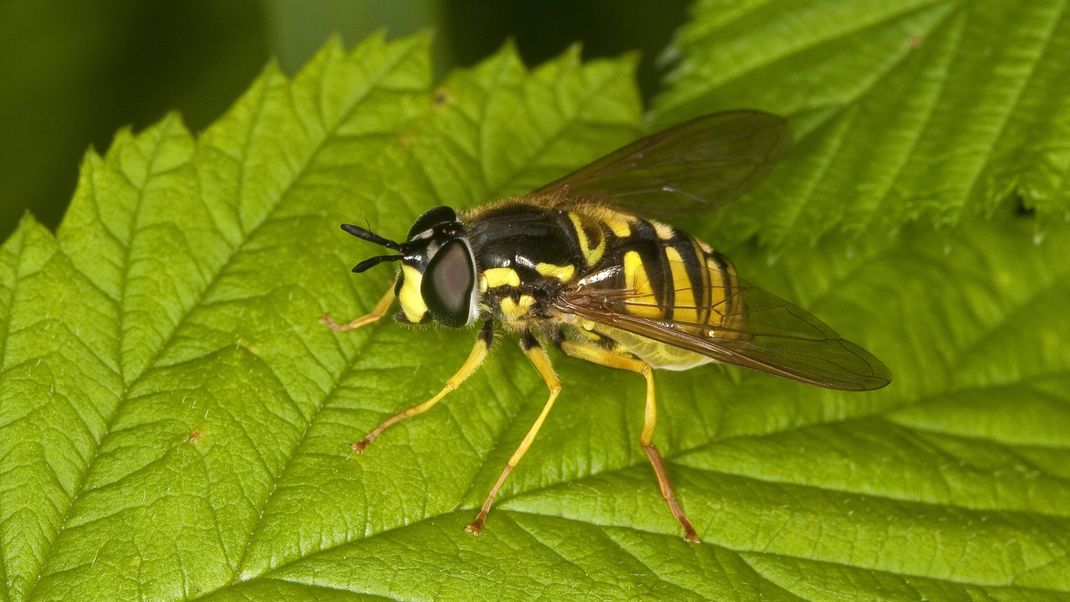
412,302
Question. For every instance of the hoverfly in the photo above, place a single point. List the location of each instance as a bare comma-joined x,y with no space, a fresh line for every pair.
584,264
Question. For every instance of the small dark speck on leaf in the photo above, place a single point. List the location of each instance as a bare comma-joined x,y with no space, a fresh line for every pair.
440,99
194,436
1022,209
915,41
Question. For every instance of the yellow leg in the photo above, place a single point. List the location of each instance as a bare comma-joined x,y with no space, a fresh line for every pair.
474,361
597,355
377,312
541,361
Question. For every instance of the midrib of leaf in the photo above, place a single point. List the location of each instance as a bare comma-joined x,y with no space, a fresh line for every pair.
506,509
205,292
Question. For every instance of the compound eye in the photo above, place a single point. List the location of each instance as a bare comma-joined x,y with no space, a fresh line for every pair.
449,284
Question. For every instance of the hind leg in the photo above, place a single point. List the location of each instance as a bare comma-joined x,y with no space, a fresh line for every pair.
594,353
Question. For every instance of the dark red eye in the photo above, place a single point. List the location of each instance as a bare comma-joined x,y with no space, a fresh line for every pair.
448,283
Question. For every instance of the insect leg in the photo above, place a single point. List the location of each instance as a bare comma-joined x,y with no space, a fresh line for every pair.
541,361
474,361
377,312
597,355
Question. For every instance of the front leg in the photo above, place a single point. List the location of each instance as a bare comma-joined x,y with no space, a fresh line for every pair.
377,312
474,361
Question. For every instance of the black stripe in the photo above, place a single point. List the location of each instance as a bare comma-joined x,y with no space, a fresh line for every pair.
644,240
593,232
693,265
486,334
527,341
729,298
574,249
705,284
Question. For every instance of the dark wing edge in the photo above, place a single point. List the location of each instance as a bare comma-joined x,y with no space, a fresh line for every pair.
774,336
694,167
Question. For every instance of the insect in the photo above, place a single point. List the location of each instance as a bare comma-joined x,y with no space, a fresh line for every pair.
584,264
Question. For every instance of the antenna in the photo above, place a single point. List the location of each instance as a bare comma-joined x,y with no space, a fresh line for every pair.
374,261
370,237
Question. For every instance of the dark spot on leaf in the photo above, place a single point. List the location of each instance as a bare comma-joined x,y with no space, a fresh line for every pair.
1022,209
440,99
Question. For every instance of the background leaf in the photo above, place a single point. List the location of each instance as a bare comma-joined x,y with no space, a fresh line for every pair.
176,424
930,108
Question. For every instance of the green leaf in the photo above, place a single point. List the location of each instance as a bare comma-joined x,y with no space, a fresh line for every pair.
175,423
934,109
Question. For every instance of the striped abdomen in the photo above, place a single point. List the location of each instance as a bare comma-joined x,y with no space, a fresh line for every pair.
667,275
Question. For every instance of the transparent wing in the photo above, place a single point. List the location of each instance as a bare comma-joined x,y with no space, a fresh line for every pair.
763,332
694,167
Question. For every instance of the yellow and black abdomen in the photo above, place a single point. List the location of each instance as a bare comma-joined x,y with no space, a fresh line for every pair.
664,274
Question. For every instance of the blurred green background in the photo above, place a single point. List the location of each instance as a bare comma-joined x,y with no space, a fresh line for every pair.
72,72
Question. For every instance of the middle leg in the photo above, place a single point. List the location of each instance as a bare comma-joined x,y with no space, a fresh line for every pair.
541,361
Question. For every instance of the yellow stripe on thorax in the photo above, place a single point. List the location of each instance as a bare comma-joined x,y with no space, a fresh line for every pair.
618,225
564,273
495,277
592,249
664,231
